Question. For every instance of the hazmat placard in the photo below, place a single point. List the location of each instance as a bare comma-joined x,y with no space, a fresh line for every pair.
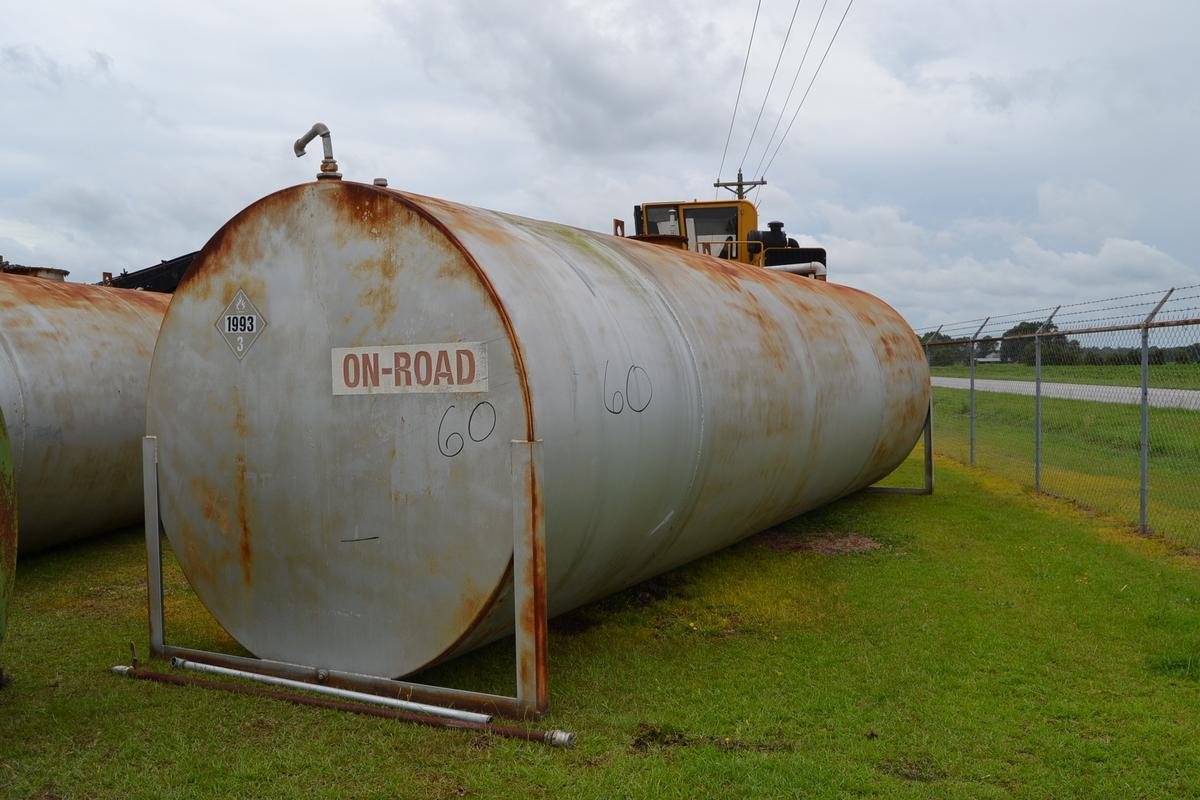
240,324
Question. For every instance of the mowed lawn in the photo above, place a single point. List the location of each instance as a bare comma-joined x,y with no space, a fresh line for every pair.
1163,376
1091,453
997,644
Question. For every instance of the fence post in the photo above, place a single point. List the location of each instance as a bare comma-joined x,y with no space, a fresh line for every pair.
1037,413
971,391
1144,477
929,421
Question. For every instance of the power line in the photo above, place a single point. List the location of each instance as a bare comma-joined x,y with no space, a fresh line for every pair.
810,85
796,77
762,108
738,100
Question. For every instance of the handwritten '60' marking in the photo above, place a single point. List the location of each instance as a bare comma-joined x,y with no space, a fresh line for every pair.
481,422
637,384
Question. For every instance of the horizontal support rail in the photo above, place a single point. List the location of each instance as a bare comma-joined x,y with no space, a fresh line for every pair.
354,681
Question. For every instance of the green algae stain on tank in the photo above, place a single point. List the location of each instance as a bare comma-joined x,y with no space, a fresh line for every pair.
8,527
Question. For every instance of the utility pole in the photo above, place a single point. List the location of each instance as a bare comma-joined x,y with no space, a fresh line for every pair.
741,188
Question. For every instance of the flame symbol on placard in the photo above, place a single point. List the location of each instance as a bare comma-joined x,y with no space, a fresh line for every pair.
241,302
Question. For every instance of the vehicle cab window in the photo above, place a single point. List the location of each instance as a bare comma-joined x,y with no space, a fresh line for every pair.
662,220
717,227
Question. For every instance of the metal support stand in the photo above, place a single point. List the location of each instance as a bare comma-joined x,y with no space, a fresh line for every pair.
927,435
532,699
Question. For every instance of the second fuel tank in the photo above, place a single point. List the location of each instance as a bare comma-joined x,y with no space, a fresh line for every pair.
74,361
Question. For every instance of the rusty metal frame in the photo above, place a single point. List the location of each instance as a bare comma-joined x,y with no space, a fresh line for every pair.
927,488
532,698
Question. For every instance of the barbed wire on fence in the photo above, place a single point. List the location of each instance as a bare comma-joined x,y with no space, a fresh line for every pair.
1181,305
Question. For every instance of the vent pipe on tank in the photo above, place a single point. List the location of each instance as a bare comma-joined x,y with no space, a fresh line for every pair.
329,167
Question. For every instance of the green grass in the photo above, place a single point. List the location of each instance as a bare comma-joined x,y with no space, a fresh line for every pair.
1091,453
999,644
1164,376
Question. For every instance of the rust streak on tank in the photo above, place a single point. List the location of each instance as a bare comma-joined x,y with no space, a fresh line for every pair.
245,549
239,422
198,564
206,496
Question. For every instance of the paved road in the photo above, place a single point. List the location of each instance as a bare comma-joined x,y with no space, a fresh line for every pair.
1132,395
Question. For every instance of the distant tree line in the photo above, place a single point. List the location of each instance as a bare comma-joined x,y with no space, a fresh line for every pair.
1056,349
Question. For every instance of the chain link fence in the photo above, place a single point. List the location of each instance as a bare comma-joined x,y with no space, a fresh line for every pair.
1097,402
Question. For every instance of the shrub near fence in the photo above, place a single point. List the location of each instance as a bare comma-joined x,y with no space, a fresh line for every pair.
1097,402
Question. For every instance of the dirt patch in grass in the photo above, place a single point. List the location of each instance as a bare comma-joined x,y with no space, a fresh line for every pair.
830,543
654,737
648,738
259,726
482,741
922,769
661,587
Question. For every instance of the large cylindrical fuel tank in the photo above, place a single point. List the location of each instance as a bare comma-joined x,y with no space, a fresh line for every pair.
342,371
74,361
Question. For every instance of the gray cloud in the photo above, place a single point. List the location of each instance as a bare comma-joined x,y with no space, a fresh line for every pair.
622,97
32,64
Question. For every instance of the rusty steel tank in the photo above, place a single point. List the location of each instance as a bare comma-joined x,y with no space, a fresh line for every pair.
342,372
74,361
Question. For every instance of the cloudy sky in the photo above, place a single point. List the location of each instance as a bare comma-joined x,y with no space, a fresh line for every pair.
956,158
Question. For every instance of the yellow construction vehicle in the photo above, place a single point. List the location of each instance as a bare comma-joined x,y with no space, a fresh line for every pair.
725,229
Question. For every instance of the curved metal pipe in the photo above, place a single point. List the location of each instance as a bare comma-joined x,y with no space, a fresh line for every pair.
318,129
813,269
329,167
